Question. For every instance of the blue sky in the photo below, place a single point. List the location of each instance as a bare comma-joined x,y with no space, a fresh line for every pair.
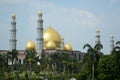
75,20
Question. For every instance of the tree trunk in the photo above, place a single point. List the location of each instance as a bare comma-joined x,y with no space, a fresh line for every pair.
93,71
55,67
64,68
30,67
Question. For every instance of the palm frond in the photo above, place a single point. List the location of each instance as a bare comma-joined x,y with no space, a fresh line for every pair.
118,43
87,45
98,47
117,48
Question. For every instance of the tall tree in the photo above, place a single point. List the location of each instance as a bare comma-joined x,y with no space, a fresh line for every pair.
30,58
91,59
55,59
13,56
64,58
107,68
116,54
3,60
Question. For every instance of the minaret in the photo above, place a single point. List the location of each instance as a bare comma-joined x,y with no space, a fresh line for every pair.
62,45
13,32
111,43
39,38
97,36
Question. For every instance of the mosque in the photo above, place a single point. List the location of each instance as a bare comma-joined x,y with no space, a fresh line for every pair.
47,41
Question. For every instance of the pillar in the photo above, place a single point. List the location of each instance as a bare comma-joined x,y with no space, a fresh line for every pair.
39,38
111,43
97,36
62,44
13,32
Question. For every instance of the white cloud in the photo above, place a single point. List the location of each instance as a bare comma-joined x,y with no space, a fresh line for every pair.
53,11
83,12
81,17
87,18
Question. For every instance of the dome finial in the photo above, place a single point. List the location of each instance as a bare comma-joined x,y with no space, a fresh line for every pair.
97,30
112,36
39,13
62,38
13,16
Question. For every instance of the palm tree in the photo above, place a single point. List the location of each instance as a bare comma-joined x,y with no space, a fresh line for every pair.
3,60
54,60
64,59
13,56
93,54
45,65
30,58
116,54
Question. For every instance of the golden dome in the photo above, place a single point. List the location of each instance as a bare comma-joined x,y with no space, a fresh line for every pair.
51,34
68,47
30,45
50,45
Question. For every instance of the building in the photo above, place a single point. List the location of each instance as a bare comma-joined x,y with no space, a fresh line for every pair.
48,41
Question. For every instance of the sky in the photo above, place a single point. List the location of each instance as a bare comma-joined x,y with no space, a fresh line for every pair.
75,20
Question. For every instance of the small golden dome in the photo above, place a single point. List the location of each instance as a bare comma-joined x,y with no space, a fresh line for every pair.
40,13
13,15
50,45
97,30
30,45
68,47
51,34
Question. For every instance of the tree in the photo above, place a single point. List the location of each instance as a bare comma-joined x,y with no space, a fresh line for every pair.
107,68
55,59
3,60
116,55
13,56
44,62
90,61
30,58
64,58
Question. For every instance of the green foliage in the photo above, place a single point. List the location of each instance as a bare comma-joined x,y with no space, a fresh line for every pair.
90,60
62,66
12,55
107,68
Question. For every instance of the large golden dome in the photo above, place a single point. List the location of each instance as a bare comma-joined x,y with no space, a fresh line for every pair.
53,35
50,45
30,45
68,47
